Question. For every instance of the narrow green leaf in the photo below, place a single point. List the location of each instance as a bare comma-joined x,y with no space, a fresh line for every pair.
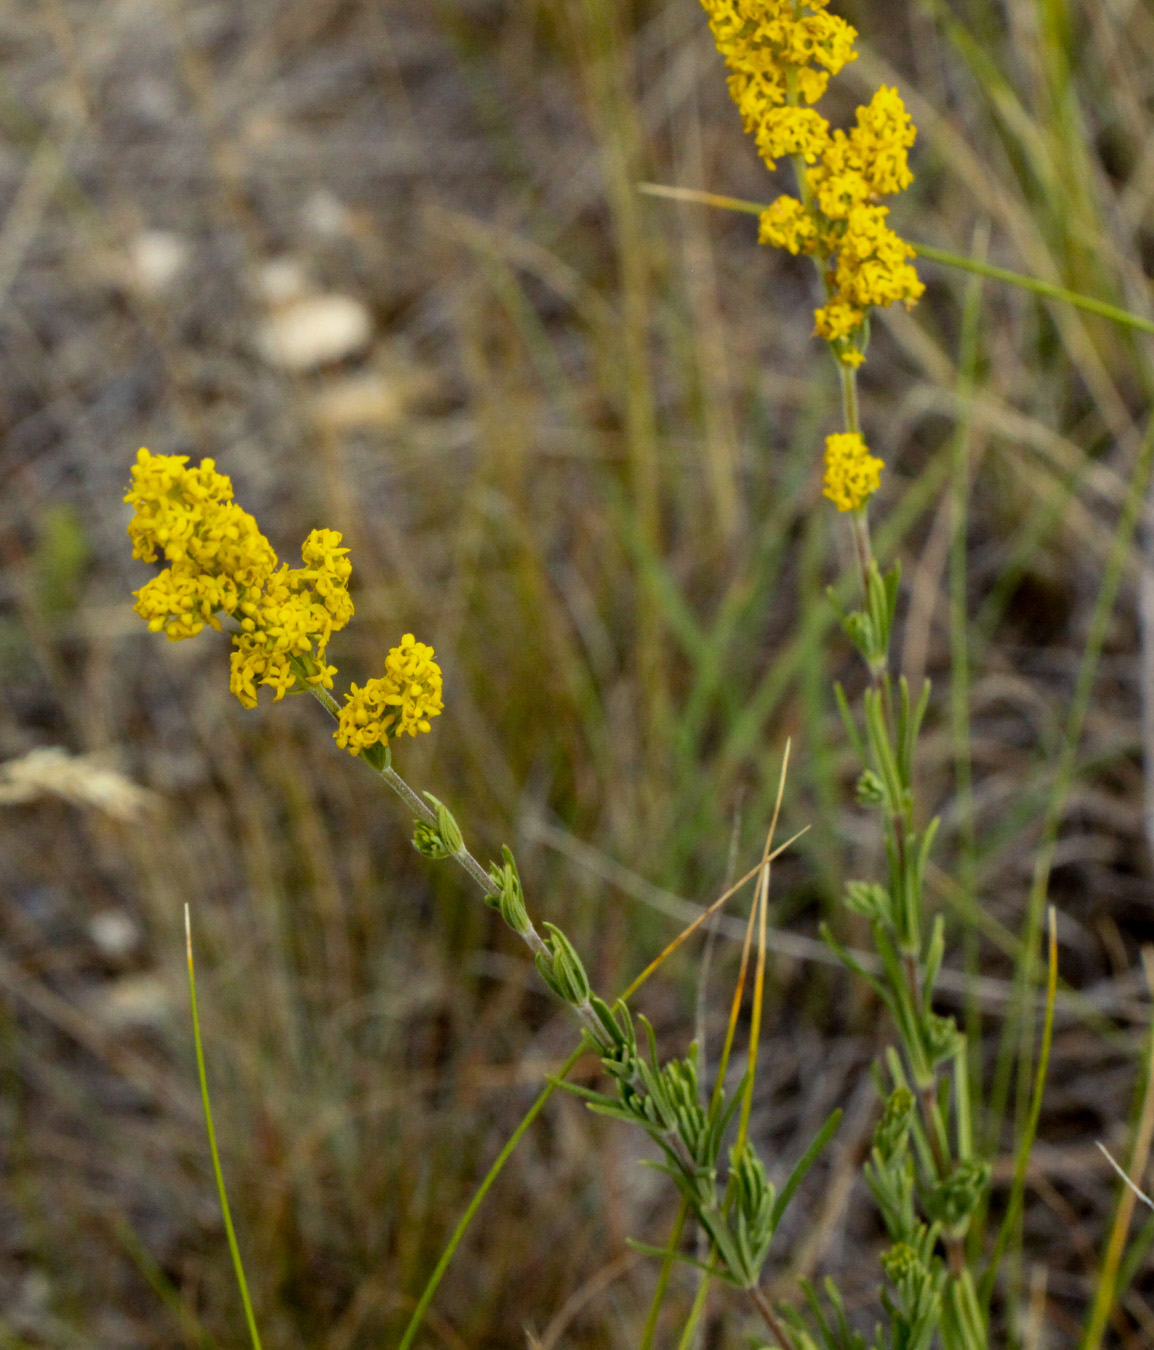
805,1162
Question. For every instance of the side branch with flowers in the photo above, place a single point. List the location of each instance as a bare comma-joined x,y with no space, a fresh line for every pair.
220,567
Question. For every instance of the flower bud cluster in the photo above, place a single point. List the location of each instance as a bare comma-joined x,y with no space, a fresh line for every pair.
442,840
402,700
852,474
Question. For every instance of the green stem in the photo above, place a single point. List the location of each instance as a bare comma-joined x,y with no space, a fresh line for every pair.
771,1319
463,858
960,679
850,407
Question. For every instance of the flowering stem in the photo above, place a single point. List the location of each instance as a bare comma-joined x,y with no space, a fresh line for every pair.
708,1211
849,399
900,823
465,860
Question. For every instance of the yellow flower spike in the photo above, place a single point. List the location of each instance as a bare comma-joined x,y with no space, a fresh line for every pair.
781,56
882,136
852,474
402,700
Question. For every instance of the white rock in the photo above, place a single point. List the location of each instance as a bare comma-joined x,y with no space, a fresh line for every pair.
115,932
157,259
281,280
371,400
315,331
134,1001
325,214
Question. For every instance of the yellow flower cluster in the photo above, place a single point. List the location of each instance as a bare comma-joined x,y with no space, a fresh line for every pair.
402,700
220,563
781,54
293,617
852,474
216,553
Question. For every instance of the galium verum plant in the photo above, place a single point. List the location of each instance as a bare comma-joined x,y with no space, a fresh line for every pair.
922,1171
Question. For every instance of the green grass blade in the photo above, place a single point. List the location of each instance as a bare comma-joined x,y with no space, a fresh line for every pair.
1026,1139
694,1318
805,1162
1043,288
664,1277
478,1197
761,904
1046,289
230,1232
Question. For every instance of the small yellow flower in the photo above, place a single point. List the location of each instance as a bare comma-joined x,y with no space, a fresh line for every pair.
882,136
838,319
293,618
402,700
179,601
852,474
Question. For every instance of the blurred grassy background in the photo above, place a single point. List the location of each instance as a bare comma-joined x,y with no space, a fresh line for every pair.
574,446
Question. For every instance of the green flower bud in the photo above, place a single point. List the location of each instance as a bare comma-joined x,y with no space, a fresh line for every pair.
869,900
860,630
941,1036
901,1262
545,966
870,789
449,829
441,840
894,1127
428,842
952,1201
572,983
510,898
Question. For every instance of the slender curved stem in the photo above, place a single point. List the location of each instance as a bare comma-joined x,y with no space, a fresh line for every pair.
463,858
